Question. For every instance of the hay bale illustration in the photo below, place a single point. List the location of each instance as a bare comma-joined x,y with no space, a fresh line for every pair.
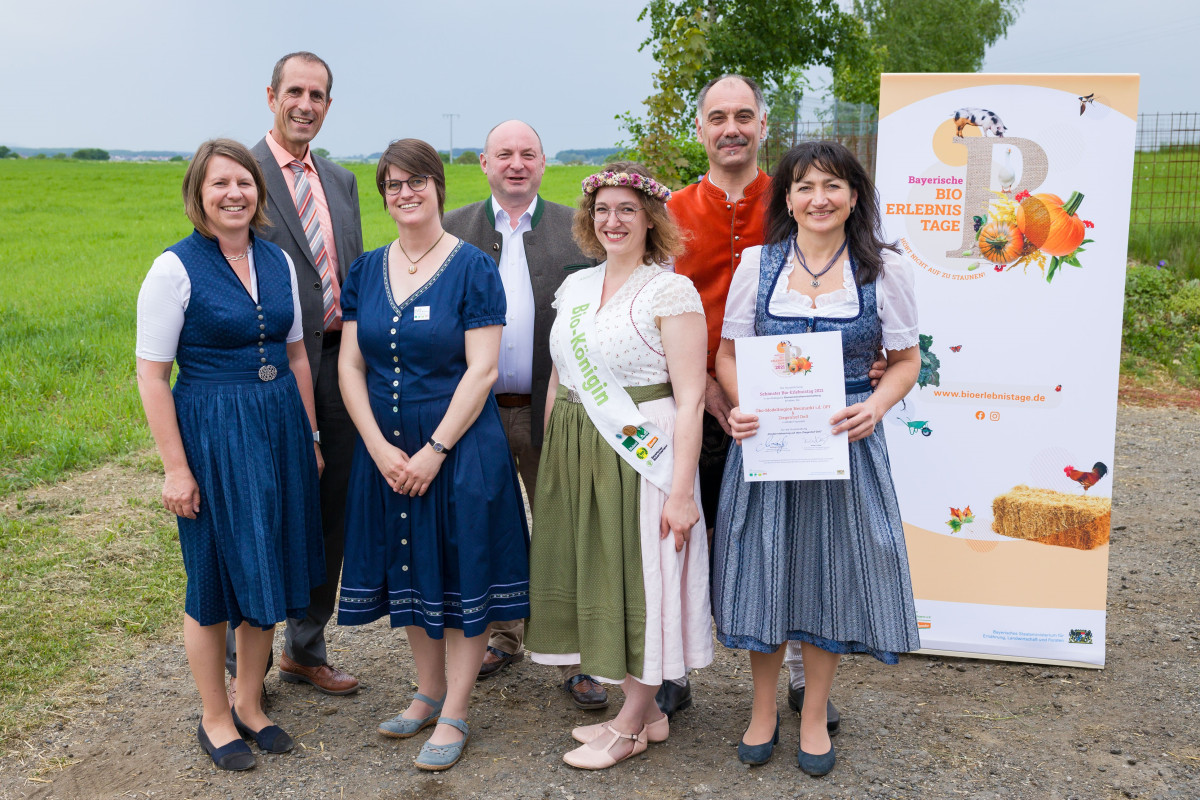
1050,517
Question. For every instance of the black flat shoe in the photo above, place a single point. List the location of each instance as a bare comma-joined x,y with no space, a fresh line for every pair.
833,719
758,754
271,739
672,697
816,765
235,756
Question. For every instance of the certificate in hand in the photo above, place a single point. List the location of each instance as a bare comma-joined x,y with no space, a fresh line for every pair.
794,384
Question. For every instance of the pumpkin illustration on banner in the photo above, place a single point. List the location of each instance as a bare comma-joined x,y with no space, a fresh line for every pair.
1028,228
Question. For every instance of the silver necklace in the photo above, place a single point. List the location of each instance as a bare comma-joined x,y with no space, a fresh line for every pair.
239,257
804,264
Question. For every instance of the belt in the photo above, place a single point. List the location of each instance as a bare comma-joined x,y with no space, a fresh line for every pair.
331,338
264,374
858,386
509,400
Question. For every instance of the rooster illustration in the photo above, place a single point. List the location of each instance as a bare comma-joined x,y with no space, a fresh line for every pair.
1087,479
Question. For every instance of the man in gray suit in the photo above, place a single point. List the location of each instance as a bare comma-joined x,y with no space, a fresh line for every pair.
313,207
530,239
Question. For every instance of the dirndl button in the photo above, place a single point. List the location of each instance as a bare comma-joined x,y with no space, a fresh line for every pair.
267,372
404,568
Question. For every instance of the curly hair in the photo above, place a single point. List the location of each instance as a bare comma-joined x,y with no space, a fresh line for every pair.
663,240
864,230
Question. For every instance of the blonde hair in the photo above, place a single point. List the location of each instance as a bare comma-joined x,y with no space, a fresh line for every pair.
663,240
193,183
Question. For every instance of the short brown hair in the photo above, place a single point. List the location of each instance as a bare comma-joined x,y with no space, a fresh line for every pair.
197,171
663,241
303,55
416,158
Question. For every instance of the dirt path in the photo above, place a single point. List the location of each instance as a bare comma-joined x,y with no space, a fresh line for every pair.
930,728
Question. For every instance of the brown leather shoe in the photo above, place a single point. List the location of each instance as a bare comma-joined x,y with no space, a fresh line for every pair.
586,692
325,678
495,660
231,694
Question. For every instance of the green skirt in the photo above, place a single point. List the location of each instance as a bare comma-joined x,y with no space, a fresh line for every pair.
586,588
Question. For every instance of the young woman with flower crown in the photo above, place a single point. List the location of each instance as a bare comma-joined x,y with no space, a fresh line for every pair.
619,562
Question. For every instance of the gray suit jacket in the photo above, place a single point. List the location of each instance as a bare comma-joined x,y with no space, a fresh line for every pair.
552,254
341,192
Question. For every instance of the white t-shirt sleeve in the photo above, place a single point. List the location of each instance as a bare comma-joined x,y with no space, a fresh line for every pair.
897,299
743,297
162,301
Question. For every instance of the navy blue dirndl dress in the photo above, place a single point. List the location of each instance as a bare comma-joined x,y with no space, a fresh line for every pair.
822,562
255,550
458,556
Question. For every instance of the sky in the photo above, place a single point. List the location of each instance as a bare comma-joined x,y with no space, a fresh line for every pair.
140,75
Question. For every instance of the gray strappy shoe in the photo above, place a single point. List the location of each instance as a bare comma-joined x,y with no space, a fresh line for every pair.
436,757
402,727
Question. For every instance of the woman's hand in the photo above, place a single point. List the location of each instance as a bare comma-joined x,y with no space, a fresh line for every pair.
742,425
859,419
320,459
420,471
678,517
391,462
181,493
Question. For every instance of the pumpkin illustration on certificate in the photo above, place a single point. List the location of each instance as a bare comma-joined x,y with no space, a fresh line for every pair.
794,385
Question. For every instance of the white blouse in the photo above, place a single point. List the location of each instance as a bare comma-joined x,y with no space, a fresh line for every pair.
895,297
627,332
164,298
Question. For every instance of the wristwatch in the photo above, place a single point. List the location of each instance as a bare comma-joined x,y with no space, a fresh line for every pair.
438,447
316,437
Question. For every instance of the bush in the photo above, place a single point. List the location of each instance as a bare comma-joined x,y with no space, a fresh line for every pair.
1162,321
467,157
91,154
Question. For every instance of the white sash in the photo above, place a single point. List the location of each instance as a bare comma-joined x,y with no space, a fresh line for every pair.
642,444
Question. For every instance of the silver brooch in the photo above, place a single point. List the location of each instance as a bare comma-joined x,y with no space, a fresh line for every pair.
267,372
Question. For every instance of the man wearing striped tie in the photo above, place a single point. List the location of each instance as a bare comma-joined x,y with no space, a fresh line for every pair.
313,207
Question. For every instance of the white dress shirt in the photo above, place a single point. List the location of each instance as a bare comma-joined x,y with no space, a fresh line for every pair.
516,342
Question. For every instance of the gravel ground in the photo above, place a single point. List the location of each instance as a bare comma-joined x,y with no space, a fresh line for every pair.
930,727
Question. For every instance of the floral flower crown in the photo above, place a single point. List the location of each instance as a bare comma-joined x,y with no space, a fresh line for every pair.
630,179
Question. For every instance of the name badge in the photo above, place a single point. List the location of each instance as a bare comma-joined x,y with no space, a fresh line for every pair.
420,313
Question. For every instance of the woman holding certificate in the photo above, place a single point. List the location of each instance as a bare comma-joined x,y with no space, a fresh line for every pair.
821,562
619,560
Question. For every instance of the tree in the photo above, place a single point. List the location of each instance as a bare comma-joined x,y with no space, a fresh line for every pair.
693,41
91,154
467,157
916,36
321,151
7,153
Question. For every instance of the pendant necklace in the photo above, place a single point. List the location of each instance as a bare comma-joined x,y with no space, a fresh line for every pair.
804,265
412,265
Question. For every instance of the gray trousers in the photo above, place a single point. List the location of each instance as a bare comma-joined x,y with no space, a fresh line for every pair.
304,639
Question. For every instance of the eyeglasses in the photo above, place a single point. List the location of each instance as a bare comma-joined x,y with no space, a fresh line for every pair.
624,213
415,182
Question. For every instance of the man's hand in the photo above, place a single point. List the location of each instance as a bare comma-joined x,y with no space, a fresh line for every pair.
876,370
717,404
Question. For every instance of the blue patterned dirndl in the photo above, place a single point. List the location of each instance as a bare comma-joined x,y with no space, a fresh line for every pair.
822,562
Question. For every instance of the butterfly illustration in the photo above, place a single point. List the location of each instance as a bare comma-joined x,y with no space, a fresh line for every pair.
954,348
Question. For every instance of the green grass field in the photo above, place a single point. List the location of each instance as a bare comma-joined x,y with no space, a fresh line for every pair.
78,239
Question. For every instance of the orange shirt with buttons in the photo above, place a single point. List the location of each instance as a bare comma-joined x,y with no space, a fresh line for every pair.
719,230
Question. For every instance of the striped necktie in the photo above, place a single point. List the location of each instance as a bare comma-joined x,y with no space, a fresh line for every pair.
306,206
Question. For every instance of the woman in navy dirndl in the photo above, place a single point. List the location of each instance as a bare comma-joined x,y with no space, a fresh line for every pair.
436,538
821,563
235,437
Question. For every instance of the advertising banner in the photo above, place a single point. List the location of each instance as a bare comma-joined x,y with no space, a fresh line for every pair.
1009,195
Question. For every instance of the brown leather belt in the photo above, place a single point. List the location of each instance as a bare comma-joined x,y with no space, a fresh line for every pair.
514,400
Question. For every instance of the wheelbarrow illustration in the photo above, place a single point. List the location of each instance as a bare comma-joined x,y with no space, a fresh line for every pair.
917,425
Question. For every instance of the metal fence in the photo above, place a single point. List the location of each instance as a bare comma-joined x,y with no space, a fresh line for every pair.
1166,169
1166,183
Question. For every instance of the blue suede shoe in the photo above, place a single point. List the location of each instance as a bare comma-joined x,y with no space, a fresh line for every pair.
401,727
437,757
816,765
235,756
758,754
